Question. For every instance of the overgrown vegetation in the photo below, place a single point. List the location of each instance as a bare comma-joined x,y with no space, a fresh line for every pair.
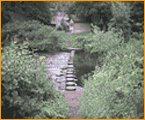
116,90
40,36
38,10
26,92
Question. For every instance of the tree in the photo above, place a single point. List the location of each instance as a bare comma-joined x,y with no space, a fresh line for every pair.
96,12
62,6
38,10
137,15
121,18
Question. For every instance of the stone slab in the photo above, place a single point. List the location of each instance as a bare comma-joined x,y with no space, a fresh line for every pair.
70,83
69,72
69,79
75,80
70,76
70,48
70,63
70,66
70,88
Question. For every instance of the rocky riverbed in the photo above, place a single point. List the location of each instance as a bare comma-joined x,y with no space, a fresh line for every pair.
56,69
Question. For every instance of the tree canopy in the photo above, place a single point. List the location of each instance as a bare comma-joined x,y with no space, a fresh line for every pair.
38,10
102,12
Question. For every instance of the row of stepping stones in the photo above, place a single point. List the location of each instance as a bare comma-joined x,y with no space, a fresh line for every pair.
70,77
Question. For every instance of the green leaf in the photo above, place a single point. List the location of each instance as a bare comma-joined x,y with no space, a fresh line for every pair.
42,58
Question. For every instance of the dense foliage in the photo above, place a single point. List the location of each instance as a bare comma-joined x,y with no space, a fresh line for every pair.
116,90
63,26
137,15
119,14
61,6
97,42
40,36
38,10
121,18
26,92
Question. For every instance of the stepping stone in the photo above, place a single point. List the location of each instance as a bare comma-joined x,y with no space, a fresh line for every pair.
70,63
70,83
70,76
70,48
69,79
69,72
70,88
75,80
70,66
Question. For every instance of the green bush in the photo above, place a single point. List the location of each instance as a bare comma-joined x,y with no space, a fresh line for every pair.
18,29
24,86
116,90
100,42
121,18
40,36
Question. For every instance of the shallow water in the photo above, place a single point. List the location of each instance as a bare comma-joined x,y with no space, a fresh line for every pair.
84,63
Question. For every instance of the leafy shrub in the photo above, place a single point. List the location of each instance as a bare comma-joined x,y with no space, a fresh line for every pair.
17,29
84,63
116,90
137,16
121,18
40,36
138,37
100,42
25,88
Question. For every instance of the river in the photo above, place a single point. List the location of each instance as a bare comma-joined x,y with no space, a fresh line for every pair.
84,64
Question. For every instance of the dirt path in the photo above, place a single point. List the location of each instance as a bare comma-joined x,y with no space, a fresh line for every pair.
72,98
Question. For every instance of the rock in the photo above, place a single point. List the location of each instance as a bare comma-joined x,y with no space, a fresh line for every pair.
70,84
69,72
70,88
70,76
69,79
70,48
75,80
70,63
70,66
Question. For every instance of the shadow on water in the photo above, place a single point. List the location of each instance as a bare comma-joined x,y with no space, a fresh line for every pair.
84,63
